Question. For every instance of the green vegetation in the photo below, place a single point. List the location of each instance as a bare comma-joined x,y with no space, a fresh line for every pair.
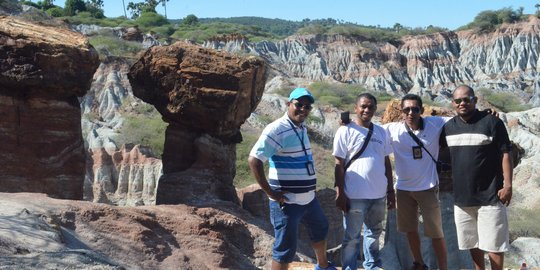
108,45
524,222
340,95
148,131
489,20
506,102
143,125
243,176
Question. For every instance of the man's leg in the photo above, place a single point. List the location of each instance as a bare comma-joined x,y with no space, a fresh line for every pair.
372,231
428,202
414,245
496,259
352,229
439,246
493,233
407,222
478,258
279,266
320,253
317,225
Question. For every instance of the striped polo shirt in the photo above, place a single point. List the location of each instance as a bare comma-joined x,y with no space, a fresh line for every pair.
280,144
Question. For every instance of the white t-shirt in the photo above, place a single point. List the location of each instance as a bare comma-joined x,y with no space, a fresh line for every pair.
416,174
365,178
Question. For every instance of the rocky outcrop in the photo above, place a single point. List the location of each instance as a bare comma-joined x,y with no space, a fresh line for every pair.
42,72
45,233
431,65
205,96
128,176
524,129
115,173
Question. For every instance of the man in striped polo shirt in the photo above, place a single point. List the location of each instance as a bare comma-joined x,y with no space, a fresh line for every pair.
291,182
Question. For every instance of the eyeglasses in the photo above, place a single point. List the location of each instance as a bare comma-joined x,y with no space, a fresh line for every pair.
407,110
299,105
465,99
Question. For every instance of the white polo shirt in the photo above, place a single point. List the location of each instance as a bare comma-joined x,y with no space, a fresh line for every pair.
416,174
365,178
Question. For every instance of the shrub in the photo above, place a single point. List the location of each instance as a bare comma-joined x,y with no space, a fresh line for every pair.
506,102
113,46
55,12
150,19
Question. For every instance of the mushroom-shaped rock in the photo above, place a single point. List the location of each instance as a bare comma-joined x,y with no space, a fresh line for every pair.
43,69
204,95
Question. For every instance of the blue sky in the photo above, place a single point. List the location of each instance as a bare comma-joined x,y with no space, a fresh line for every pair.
412,13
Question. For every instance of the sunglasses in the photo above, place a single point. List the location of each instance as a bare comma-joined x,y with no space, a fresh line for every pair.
465,99
407,110
299,105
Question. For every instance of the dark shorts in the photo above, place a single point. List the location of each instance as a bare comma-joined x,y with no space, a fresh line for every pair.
286,221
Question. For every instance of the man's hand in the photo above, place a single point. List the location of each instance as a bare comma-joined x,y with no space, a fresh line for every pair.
505,195
278,196
342,202
391,200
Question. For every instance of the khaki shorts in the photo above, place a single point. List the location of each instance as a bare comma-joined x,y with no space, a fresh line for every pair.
483,227
411,204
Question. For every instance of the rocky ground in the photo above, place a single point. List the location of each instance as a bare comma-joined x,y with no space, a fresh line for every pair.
37,232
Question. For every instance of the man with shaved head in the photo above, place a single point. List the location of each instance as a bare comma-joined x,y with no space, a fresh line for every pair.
482,179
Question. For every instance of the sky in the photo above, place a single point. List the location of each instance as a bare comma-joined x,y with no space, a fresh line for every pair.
450,14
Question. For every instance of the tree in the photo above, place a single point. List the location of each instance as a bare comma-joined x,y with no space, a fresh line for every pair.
190,20
147,6
537,6
164,3
397,27
95,7
45,4
124,5
73,7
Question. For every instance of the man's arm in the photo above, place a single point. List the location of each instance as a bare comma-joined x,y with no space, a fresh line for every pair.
342,201
257,169
505,194
390,193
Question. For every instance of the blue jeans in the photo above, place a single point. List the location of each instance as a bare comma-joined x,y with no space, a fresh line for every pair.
369,215
286,220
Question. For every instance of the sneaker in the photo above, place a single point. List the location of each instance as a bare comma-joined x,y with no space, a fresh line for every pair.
418,266
329,267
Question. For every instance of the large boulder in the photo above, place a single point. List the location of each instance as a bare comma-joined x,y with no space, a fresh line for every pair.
43,70
204,95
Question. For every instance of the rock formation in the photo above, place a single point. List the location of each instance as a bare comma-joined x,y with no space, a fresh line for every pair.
506,60
42,72
205,96
37,232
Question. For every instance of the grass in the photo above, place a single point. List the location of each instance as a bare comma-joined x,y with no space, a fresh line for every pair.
524,222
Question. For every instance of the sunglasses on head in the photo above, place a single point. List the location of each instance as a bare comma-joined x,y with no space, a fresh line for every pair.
465,99
299,105
407,110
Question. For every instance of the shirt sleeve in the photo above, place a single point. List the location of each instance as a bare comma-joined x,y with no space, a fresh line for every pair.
340,146
501,134
267,145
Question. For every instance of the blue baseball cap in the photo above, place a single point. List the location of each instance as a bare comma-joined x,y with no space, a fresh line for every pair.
301,92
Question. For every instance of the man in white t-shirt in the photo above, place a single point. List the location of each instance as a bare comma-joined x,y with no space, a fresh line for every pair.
417,179
362,184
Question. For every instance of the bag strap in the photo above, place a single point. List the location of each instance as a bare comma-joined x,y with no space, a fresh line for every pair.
364,145
418,141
